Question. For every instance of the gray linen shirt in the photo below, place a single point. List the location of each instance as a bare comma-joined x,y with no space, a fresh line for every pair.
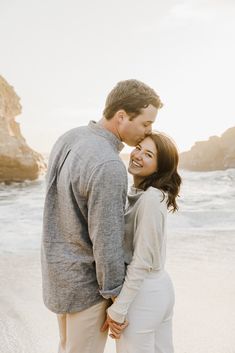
83,223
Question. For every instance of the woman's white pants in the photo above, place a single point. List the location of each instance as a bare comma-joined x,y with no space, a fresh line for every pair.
150,317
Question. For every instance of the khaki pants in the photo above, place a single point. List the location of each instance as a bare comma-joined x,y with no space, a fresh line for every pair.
80,332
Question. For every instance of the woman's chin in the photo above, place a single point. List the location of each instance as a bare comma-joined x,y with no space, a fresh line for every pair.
131,171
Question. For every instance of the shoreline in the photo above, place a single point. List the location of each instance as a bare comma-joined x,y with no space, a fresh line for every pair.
202,269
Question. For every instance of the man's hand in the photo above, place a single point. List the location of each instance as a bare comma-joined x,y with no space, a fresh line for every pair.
115,327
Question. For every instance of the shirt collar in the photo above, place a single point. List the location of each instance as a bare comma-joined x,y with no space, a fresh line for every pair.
98,129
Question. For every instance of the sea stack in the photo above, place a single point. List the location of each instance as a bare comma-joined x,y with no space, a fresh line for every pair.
217,153
18,162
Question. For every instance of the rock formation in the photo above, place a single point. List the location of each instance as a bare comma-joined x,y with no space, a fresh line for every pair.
217,153
18,161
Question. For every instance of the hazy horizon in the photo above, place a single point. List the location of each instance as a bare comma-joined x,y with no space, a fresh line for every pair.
126,151
62,58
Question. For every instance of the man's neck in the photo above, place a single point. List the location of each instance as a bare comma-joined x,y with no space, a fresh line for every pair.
110,126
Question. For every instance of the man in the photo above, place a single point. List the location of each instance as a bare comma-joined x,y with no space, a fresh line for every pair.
83,226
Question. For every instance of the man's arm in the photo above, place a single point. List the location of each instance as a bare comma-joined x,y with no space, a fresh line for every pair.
106,190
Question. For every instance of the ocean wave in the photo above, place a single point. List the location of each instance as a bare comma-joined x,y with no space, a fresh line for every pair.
207,202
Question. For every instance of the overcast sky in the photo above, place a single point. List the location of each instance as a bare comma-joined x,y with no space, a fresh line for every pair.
63,57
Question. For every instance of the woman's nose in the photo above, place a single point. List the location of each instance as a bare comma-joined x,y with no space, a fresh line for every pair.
138,155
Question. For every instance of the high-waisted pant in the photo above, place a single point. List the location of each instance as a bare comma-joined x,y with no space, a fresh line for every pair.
150,317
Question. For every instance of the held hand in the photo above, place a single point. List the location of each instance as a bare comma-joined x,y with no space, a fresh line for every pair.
105,326
109,322
115,327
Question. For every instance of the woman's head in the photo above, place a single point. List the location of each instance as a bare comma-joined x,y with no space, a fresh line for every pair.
154,162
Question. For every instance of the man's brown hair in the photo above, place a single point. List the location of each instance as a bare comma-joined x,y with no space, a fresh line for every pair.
131,96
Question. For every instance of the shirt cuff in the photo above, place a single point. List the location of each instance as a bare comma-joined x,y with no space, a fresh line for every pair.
107,294
118,317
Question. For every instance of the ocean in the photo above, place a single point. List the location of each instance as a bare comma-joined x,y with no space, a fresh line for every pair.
200,260
206,203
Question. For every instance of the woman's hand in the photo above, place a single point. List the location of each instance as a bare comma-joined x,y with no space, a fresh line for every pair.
115,327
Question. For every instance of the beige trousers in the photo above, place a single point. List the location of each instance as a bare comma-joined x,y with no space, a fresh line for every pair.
80,332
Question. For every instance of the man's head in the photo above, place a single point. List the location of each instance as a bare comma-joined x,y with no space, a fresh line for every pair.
133,106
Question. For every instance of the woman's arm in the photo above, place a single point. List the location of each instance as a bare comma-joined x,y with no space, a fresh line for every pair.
147,253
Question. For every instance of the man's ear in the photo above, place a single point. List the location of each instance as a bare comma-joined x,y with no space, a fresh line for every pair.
121,114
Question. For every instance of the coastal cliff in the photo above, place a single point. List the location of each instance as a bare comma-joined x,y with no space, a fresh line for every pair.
18,161
217,153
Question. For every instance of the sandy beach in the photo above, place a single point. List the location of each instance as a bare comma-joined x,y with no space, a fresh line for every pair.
202,267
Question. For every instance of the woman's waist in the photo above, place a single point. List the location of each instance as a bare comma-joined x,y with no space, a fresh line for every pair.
157,273
157,280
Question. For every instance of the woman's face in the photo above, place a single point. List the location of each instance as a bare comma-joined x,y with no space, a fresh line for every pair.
143,160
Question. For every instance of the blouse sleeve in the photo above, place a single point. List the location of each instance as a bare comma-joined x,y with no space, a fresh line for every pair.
148,239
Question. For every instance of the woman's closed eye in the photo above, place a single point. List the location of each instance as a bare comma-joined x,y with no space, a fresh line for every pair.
149,155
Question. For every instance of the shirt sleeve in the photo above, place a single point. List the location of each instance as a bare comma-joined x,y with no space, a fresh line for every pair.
107,189
147,254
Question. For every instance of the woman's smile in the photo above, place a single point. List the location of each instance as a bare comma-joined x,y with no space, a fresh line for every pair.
135,164
143,160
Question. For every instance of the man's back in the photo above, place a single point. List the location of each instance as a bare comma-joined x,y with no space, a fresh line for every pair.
82,254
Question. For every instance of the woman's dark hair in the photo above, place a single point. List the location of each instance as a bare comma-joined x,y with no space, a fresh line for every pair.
166,177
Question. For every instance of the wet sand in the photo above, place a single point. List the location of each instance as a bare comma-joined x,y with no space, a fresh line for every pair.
202,267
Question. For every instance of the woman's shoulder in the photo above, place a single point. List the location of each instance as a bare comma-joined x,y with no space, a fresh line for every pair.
153,192
153,198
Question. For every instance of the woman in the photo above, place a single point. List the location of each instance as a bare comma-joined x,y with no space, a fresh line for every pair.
147,296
